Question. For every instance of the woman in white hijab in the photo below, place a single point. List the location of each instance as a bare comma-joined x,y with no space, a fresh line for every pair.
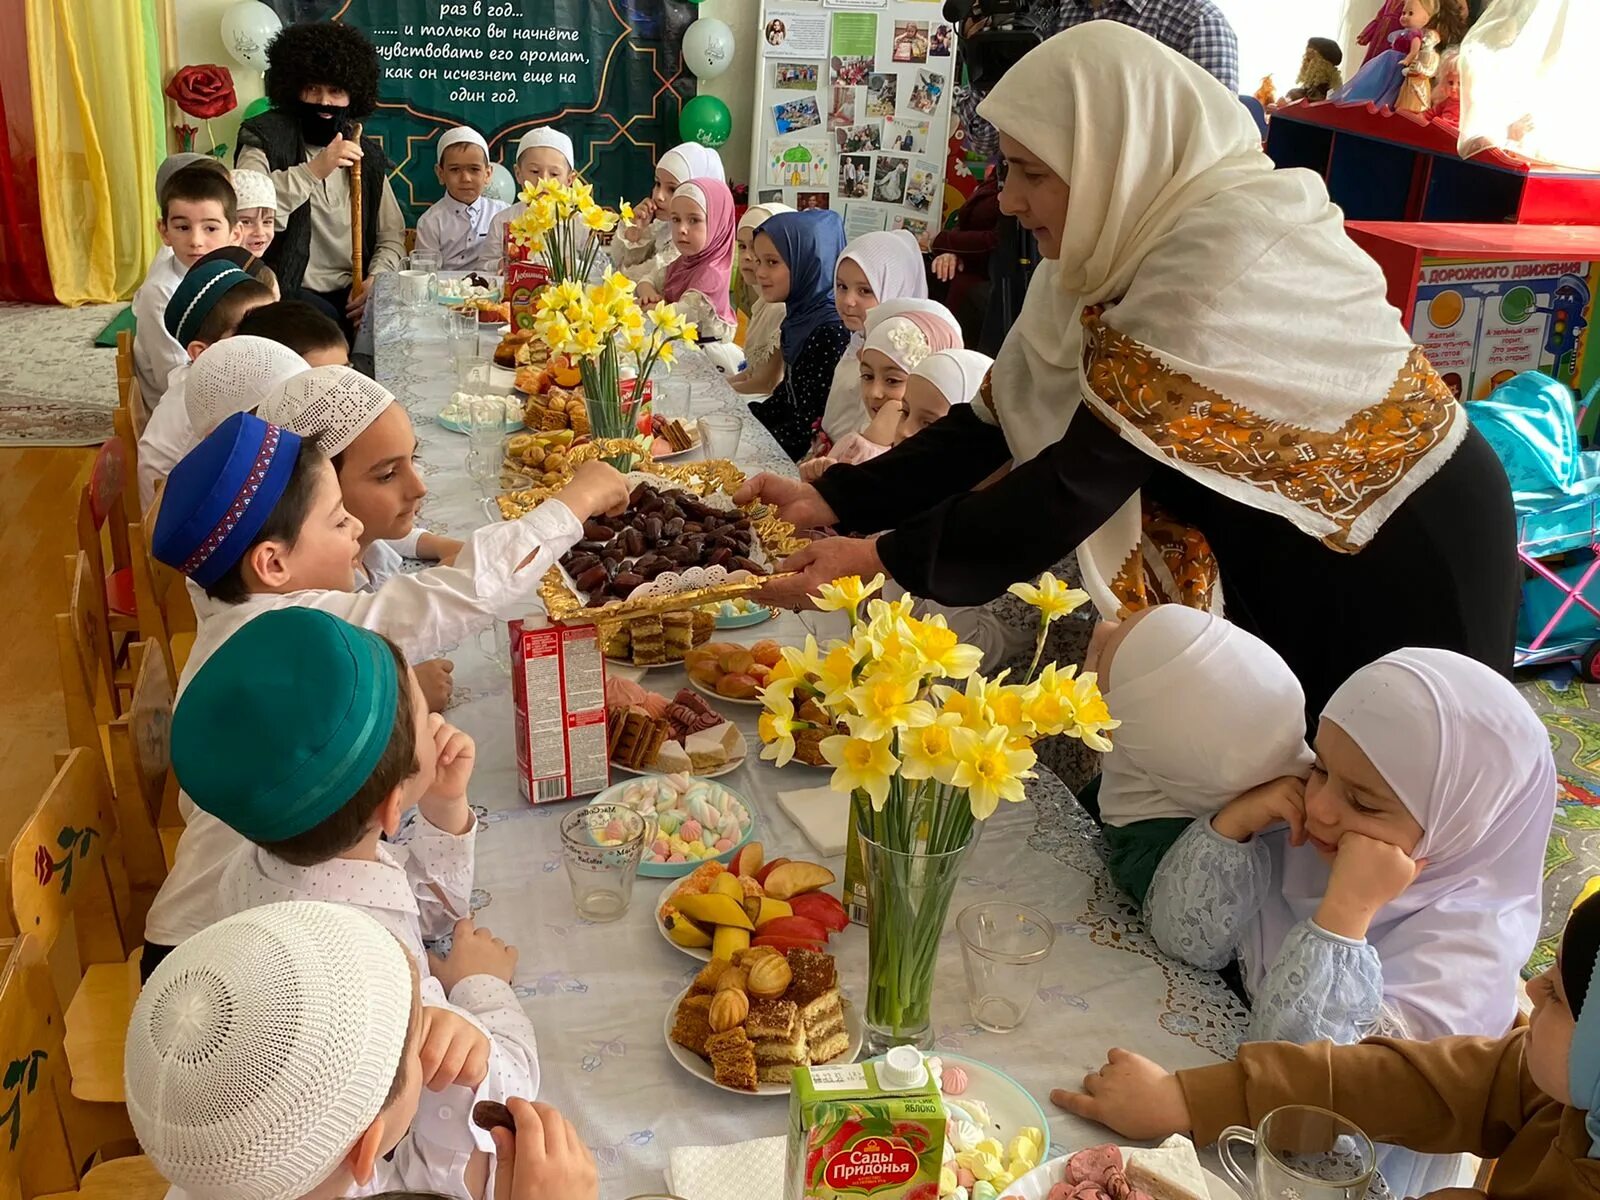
1172,409
874,269
1403,898
643,248
763,369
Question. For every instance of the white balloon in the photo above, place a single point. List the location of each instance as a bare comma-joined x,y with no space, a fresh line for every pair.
708,47
502,186
247,27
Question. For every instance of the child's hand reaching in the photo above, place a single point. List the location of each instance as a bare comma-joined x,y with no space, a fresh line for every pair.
595,488
454,1051
1367,874
473,951
1283,801
647,294
811,470
544,1159
436,681
1130,1095
444,804
644,213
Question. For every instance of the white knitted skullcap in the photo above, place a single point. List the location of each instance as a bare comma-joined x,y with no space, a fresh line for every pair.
254,189
330,405
264,1046
233,375
549,136
461,133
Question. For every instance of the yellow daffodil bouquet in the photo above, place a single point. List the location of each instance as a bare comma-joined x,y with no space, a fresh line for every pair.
560,225
595,326
927,747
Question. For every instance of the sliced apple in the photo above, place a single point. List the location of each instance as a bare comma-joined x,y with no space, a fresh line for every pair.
768,869
795,879
749,860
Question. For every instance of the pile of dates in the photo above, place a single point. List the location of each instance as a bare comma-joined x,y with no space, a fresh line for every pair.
660,531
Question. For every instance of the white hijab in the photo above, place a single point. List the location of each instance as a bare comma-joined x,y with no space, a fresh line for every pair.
845,413
1199,249
906,336
1471,761
233,375
761,334
1208,712
691,160
958,374
892,262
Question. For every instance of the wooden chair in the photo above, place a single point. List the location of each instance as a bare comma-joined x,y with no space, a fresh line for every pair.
65,866
83,643
144,788
49,1136
99,506
166,615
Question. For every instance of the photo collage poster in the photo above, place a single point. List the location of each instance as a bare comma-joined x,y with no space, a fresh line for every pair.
854,111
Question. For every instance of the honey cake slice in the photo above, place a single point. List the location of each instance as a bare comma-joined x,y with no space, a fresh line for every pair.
733,1059
691,1027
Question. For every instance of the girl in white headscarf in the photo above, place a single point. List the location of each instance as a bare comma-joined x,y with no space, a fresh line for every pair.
643,249
1170,411
763,369
1404,896
899,334
874,269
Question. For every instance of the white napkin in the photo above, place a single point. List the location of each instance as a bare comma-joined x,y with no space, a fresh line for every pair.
744,1171
823,816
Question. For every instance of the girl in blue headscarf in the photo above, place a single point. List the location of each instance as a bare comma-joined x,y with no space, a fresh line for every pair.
1530,1099
795,255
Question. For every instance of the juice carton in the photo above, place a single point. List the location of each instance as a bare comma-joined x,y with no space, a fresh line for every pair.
558,701
873,1129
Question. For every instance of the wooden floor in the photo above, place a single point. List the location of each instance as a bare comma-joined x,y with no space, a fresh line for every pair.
38,490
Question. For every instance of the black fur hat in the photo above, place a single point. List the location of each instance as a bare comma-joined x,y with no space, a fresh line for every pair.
322,52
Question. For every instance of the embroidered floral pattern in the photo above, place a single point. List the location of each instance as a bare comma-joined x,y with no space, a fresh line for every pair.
1335,477
910,341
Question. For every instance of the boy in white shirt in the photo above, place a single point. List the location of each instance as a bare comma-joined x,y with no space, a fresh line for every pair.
456,226
198,215
278,1055
543,153
255,517
210,301
310,738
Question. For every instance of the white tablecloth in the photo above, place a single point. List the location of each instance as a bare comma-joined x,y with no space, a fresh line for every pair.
598,993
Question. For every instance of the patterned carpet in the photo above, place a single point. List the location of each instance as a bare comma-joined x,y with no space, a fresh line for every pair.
56,387
1568,707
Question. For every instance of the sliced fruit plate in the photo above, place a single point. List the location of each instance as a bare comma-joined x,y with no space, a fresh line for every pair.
718,909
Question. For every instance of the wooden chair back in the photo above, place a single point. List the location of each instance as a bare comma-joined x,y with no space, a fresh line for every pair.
125,374
142,780
65,863
100,504
163,604
36,1153
83,644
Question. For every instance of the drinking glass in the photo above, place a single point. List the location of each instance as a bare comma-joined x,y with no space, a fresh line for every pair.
719,434
602,845
474,368
486,435
672,399
462,328
414,288
1004,946
427,263
1302,1153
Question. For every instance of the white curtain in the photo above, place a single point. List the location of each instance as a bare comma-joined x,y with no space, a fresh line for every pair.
1272,35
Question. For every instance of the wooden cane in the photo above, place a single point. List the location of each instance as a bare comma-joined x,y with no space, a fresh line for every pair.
357,265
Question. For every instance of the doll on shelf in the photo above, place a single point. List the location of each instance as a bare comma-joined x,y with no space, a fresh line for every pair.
1375,37
1447,89
1380,80
1416,88
1319,70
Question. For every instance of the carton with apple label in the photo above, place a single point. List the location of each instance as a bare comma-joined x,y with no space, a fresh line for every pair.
873,1130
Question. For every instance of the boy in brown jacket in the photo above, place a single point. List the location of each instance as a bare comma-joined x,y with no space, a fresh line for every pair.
1530,1099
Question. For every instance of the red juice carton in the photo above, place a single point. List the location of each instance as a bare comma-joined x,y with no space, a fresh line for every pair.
524,282
558,692
872,1130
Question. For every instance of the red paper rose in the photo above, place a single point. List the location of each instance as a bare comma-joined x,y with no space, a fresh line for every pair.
204,91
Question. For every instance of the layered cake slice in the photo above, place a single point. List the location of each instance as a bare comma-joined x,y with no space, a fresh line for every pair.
733,1059
815,991
780,1039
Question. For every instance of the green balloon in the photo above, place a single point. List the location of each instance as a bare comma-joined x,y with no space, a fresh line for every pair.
706,120
256,107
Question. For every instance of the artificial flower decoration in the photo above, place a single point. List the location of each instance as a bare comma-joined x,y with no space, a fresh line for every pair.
204,91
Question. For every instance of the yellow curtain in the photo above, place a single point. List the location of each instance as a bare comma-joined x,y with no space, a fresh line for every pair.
95,71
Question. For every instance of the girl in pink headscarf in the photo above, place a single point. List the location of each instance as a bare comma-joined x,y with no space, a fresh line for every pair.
899,335
701,216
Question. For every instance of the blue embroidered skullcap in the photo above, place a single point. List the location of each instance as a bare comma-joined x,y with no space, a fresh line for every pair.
197,294
221,494
285,722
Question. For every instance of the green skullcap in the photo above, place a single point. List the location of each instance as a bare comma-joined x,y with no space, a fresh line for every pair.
279,729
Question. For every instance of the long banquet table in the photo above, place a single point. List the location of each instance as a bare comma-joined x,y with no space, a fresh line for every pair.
598,993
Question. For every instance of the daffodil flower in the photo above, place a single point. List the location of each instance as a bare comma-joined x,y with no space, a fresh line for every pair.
884,702
586,343
970,705
667,354
1090,712
803,660
847,593
1052,597
928,752
945,654
777,725
1047,702
990,769
625,210
861,764
836,675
